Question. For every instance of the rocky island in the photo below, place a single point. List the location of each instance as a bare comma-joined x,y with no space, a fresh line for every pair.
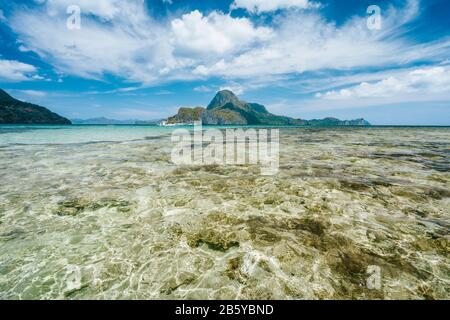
13,111
227,109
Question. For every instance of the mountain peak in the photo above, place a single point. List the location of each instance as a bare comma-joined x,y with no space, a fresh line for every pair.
4,96
222,98
227,93
227,109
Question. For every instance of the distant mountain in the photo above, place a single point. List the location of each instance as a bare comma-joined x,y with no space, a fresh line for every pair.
227,109
101,120
148,122
13,111
106,121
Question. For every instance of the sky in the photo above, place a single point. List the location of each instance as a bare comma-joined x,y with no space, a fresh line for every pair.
385,61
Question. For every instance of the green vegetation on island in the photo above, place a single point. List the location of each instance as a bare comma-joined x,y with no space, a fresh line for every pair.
227,109
13,111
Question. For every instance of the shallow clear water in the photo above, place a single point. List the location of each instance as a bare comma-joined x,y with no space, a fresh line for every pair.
10,135
101,212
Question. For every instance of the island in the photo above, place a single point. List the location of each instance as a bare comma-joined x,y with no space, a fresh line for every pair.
13,111
227,109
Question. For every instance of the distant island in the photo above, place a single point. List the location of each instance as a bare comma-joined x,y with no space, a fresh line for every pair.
106,121
13,111
227,109
224,109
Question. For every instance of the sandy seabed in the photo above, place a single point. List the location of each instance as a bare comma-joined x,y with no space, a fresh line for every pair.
118,220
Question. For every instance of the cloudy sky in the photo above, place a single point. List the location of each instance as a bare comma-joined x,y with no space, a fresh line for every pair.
141,59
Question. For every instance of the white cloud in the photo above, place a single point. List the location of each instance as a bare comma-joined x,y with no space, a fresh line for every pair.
136,48
11,70
426,81
105,9
305,41
216,33
258,6
131,46
236,88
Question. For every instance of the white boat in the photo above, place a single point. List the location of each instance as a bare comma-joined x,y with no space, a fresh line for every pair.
166,124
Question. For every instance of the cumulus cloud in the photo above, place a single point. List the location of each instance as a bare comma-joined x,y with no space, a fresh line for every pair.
259,6
131,46
11,70
306,41
120,38
216,33
426,81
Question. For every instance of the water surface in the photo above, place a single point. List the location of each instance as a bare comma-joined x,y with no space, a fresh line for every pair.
101,212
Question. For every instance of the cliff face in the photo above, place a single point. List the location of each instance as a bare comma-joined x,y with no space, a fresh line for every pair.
13,111
227,109
252,113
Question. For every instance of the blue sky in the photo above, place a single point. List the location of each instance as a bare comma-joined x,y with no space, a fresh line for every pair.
303,58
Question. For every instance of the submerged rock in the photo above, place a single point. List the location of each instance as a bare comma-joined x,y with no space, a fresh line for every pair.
76,206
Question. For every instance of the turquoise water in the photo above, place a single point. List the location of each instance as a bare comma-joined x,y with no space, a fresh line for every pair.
31,134
101,212
76,134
